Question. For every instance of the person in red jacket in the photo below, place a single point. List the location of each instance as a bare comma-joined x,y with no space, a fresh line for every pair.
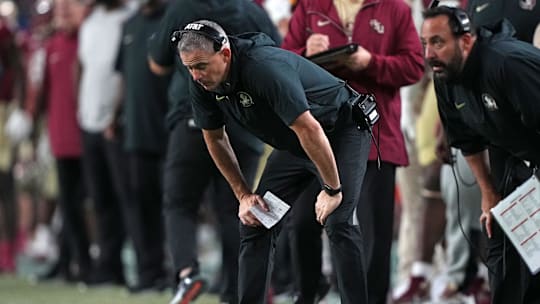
58,92
389,56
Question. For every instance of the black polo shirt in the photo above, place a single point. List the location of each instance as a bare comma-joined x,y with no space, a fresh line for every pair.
523,14
145,94
267,89
235,16
496,101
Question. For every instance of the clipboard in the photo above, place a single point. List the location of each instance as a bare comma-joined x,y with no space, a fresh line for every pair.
333,55
518,214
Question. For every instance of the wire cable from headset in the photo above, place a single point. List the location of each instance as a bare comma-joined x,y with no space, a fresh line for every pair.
465,235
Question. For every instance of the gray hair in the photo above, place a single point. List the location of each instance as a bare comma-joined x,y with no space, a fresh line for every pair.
192,41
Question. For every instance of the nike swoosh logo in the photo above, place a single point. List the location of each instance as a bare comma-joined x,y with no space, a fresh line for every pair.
459,105
481,7
220,98
321,23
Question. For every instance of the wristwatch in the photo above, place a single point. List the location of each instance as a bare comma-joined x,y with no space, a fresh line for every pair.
331,191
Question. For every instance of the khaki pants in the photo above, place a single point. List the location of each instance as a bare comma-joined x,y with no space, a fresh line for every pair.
6,148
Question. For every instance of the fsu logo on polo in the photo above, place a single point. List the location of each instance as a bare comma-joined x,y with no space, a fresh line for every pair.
489,102
245,99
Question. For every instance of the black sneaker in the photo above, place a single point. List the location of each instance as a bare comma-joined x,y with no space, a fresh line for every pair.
188,290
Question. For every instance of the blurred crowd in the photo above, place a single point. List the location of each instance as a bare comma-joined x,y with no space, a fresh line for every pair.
89,135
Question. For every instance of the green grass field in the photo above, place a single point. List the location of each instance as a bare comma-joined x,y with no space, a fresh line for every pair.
15,290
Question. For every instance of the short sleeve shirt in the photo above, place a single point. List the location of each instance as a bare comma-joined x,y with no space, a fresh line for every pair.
145,98
235,16
268,88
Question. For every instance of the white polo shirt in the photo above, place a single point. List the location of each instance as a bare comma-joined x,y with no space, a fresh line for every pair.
99,40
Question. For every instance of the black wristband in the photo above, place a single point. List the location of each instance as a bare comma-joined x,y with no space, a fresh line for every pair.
331,191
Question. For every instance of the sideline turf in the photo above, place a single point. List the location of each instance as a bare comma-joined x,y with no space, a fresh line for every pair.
15,290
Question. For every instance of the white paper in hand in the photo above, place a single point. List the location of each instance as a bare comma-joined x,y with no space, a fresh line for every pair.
518,214
277,207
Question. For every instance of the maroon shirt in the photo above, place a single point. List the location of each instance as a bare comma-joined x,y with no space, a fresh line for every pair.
59,86
385,28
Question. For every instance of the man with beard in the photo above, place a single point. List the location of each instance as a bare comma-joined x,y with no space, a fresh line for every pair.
139,124
487,84
102,156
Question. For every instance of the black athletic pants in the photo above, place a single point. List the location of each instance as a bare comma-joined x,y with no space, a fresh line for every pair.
189,170
71,203
144,221
104,166
375,213
289,177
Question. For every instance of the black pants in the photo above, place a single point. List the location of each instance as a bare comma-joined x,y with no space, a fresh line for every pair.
71,203
510,279
144,215
375,213
287,176
104,168
189,170
306,244
7,205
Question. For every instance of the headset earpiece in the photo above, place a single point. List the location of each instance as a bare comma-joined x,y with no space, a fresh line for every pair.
217,38
463,22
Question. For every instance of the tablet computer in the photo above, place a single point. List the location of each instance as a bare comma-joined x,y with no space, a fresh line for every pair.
333,55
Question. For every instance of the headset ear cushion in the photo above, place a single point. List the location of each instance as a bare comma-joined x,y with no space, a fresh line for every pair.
175,36
462,21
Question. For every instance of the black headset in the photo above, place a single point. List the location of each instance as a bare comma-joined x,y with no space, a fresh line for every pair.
217,38
463,22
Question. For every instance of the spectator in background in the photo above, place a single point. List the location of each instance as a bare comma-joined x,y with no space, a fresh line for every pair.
408,179
389,56
141,120
431,221
280,13
523,14
59,96
11,95
43,243
103,158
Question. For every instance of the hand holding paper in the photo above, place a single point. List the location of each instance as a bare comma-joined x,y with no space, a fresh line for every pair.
518,214
244,210
277,209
